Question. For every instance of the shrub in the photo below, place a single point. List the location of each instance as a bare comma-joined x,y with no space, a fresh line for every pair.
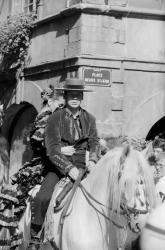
15,33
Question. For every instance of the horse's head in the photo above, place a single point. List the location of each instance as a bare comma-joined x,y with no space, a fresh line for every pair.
132,181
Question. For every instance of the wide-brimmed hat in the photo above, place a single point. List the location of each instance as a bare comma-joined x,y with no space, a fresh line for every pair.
74,84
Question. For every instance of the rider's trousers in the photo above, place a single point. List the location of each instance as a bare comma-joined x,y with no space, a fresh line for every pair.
40,203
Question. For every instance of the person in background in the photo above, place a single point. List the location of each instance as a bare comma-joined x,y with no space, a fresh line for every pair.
33,172
69,133
156,156
13,197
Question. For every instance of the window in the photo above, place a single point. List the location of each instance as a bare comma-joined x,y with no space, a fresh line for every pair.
26,6
30,6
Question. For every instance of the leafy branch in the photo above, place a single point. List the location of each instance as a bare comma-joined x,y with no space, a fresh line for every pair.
15,34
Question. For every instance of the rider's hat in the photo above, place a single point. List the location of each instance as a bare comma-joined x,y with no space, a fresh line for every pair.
74,84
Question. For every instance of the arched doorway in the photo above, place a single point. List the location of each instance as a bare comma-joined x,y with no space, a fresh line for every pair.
157,128
18,119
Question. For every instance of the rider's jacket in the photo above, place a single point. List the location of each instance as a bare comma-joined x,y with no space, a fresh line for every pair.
59,133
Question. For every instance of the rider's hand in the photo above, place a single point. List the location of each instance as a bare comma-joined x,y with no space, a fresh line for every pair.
68,150
91,165
74,173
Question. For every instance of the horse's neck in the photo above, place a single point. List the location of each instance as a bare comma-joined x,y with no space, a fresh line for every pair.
97,182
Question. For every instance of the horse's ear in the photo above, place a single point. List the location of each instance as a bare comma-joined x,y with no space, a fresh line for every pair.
148,151
125,153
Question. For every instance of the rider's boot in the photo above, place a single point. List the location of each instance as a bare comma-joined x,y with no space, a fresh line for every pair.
34,244
35,240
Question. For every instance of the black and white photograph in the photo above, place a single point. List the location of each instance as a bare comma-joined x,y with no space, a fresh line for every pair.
82,124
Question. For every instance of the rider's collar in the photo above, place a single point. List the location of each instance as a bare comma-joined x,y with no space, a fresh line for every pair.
71,114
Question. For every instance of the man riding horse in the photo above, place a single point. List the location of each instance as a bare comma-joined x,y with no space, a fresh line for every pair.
69,133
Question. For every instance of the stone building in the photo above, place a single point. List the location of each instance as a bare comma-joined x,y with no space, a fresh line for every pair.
116,46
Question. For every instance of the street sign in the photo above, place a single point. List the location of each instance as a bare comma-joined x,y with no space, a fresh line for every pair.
97,76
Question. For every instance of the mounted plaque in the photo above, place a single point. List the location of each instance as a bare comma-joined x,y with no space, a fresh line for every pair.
97,76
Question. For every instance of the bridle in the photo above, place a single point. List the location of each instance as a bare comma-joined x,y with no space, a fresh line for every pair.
90,198
130,212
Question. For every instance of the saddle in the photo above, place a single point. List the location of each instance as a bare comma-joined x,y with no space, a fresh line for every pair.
61,190
66,189
61,205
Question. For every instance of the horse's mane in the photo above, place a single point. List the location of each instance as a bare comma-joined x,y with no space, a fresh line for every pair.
124,176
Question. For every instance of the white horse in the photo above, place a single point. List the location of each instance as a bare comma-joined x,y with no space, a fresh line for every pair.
108,209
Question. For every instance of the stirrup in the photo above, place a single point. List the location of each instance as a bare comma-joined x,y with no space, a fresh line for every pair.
34,243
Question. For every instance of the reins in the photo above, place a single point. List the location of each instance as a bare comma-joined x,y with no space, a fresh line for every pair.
67,204
130,209
88,196
125,210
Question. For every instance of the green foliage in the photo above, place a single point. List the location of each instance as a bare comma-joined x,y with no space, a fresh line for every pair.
15,33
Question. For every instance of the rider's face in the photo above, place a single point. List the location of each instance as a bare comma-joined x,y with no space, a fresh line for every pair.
73,99
157,152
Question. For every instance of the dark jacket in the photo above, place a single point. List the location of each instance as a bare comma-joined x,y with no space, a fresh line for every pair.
57,135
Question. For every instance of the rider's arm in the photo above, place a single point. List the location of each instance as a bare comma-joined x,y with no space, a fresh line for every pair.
93,142
53,144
